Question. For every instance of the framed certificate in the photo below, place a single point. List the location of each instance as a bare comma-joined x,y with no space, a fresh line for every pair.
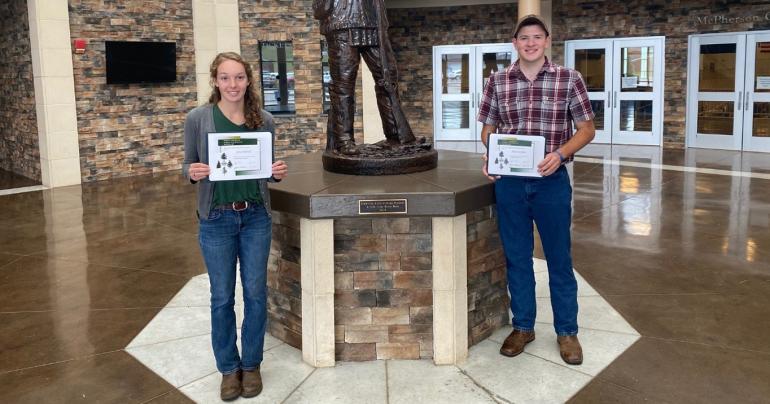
240,155
516,155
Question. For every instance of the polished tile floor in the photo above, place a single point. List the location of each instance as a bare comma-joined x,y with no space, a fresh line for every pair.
678,242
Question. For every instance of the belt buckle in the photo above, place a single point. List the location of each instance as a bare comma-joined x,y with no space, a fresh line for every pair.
238,204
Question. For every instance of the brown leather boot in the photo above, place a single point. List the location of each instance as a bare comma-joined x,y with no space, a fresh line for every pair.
570,349
230,388
514,344
252,383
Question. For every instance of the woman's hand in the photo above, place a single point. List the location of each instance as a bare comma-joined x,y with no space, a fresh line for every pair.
280,169
198,171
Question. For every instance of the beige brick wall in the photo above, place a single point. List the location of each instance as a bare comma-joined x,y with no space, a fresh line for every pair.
383,301
19,146
488,300
284,297
131,129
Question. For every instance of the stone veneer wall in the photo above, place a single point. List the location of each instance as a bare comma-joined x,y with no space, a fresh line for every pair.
19,146
292,20
488,299
383,300
284,297
131,129
415,31
578,19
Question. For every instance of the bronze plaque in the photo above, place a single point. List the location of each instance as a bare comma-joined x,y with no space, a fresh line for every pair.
381,206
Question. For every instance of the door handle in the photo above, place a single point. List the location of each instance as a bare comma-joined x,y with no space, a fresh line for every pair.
616,99
609,99
740,98
473,100
746,102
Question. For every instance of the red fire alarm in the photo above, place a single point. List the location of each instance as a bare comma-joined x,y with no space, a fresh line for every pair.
80,46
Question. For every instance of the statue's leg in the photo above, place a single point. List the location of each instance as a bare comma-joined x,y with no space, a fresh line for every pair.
343,69
394,122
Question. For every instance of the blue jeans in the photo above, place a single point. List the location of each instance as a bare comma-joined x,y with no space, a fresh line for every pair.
547,202
225,237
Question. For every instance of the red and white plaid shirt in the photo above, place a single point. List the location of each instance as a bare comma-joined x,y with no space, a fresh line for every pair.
545,107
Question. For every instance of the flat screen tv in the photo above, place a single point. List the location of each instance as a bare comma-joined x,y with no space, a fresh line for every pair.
140,62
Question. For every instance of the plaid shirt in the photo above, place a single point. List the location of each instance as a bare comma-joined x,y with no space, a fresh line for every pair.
545,107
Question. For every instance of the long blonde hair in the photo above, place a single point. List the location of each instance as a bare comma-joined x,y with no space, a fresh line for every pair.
252,101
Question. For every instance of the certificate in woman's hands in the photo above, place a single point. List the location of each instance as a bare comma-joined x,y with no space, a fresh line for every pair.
240,155
514,154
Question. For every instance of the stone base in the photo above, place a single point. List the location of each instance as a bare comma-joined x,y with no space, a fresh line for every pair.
382,285
346,285
403,160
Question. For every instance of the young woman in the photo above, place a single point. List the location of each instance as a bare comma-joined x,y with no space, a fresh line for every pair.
234,224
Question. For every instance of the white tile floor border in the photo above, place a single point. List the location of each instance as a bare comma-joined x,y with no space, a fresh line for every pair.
176,345
21,190
684,169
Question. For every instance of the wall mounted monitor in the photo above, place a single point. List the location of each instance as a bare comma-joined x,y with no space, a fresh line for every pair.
140,62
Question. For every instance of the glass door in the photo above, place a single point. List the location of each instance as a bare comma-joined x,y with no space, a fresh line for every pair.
624,78
459,76
715,91
756,94
454,102
592,58
489,59
637,91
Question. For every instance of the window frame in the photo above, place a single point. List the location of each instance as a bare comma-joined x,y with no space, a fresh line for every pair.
288,81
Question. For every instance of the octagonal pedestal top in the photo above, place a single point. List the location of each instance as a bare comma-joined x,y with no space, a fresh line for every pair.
455,187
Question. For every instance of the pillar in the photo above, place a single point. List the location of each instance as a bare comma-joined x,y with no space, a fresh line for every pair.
317,263
49,34
450,290
529,7
215,29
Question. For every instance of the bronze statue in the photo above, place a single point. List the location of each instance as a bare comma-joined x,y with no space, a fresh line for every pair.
356,29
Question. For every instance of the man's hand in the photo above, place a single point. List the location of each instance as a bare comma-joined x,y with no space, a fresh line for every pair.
484,170
549,164
280,169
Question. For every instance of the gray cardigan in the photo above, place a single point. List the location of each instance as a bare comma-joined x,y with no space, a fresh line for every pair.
199,123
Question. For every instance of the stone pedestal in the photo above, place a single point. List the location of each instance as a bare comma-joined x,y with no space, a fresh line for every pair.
385,267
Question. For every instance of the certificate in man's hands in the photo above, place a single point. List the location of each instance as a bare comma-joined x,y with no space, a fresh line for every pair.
514,154
240,155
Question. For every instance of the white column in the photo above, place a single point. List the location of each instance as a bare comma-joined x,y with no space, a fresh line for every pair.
317,266
450,290
546,12
215,29
49,34
542,8
528,7
373,132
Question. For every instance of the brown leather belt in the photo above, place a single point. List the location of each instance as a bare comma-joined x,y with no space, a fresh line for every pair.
236,206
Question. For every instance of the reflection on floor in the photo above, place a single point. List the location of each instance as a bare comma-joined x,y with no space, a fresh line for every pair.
683,256
9,180
176,345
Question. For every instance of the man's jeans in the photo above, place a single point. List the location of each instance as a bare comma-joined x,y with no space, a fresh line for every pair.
226,236
547,201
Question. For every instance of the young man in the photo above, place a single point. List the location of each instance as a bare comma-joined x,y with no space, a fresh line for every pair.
536,97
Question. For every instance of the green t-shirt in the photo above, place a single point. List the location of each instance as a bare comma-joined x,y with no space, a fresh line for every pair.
238,190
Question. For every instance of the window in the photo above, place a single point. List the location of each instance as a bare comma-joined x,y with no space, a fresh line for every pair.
327,78
277,69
